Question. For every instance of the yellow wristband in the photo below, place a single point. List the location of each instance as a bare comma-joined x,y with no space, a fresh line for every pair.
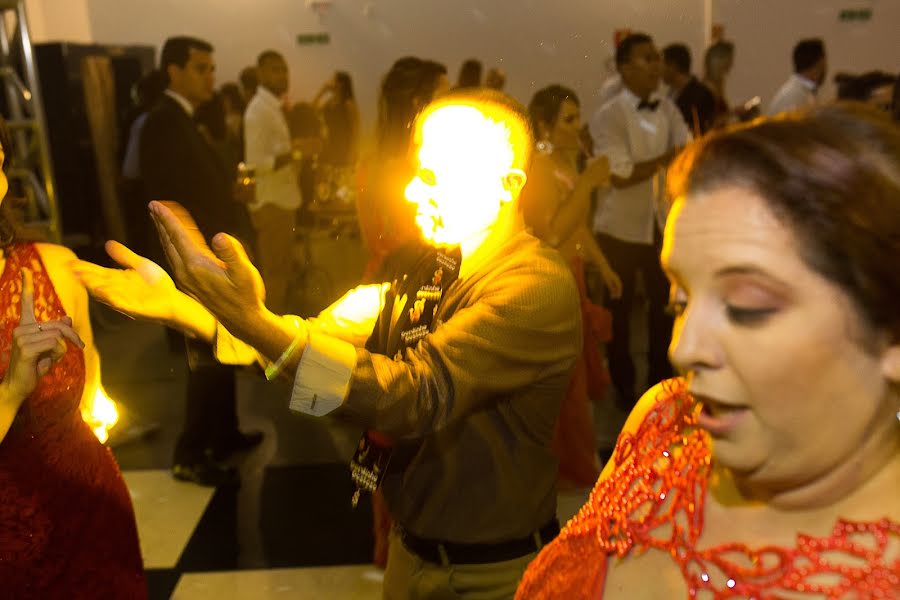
273,370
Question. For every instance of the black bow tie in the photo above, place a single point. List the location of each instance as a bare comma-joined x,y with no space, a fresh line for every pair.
647,105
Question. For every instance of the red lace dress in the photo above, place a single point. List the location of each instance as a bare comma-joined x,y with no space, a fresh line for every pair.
67,528
661,475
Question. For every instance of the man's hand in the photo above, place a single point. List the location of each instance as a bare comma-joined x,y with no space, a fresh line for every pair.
141,289
222,279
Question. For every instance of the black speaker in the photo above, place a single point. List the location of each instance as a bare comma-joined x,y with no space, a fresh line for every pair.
71,148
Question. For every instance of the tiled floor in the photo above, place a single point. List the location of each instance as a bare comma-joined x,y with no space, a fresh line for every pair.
288,531
349,583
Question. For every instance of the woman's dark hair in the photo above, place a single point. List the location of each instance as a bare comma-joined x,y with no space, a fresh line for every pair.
232,93
546,103
470,74
8,223
406,89
895,102
832,175
211,115
861,87
149,89
343,85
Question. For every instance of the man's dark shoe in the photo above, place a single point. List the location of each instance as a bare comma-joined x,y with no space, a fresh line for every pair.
206,472
234,444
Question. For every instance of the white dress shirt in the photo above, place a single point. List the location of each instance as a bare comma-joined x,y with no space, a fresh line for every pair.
612,87
266,136
627,136
797,92
182,101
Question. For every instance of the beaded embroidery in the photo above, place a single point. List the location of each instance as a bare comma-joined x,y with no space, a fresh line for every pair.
660,480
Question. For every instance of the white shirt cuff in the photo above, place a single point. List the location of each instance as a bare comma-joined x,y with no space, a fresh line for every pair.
323,375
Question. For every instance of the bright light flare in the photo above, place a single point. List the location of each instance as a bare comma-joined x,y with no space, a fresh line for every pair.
101,415
464,157
359,303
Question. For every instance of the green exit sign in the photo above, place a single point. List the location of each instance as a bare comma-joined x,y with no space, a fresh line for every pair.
311,39
858,14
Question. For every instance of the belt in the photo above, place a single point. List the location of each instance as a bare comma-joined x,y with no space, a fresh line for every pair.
443,553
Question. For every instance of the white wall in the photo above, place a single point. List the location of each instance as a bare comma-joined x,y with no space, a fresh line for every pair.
59,20
537,42
765,31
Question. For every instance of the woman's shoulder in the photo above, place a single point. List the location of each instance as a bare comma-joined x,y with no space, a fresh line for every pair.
55,254
56,260
656,442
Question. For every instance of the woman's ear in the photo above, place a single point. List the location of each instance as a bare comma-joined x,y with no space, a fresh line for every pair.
890,363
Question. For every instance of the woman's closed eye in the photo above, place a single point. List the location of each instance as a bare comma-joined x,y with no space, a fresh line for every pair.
748,316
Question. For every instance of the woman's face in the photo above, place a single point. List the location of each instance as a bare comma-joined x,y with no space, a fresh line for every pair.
565,132
790,378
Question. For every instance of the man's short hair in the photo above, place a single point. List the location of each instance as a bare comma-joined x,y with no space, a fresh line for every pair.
177,50
679,57
807,53
626,46
499,107
266,56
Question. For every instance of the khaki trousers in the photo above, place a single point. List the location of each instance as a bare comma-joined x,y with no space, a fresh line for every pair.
408,577
275,253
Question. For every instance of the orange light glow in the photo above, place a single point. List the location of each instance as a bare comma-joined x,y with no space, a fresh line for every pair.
101,415
464,156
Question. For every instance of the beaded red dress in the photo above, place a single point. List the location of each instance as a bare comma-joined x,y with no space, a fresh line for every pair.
661,475
67,528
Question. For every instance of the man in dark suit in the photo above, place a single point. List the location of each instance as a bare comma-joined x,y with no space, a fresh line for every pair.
177,163
695,101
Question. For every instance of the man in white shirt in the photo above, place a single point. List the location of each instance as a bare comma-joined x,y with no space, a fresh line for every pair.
271,153
810,68
640,131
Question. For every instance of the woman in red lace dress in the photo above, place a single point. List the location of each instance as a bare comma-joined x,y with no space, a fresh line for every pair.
771,470
67,528
555,205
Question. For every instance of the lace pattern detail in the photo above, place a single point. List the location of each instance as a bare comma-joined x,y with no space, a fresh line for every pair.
67,528
655,500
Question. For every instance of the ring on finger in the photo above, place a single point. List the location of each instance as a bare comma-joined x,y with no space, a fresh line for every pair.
40,327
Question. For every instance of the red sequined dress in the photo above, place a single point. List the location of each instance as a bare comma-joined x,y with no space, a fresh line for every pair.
659,484
67,528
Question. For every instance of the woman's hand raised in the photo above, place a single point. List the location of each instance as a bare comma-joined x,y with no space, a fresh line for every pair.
36,347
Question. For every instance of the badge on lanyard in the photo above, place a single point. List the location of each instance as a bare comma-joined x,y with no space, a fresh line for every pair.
373,453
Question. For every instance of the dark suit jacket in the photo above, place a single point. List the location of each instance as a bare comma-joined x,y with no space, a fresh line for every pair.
696,101
177,163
